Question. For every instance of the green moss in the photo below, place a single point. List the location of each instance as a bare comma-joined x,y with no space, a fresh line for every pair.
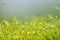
47,28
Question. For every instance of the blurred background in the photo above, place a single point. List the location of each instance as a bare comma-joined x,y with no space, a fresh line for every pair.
28,8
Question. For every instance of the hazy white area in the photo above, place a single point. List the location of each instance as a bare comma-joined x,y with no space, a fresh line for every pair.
24,8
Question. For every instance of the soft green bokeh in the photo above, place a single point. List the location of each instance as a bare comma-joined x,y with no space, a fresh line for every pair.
43,28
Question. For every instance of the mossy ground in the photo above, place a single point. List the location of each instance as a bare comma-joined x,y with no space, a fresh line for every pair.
47,28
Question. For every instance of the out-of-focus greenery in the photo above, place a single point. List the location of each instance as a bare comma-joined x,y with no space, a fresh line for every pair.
40,28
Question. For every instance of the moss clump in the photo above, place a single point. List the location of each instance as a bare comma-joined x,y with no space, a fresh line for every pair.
47,28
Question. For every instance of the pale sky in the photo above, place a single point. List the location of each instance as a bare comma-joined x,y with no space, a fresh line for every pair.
26,7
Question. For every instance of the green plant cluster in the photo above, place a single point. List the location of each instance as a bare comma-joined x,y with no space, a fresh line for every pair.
47,28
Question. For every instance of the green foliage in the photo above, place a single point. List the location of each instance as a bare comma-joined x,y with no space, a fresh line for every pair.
47,28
